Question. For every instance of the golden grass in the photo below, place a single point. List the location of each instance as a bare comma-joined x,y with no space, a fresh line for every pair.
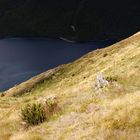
112,113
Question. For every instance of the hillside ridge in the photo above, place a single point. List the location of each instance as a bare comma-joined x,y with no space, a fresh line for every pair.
86,112
41,77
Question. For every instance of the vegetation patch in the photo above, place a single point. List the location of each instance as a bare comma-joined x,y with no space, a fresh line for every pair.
96,101
36,113
33,114
112,78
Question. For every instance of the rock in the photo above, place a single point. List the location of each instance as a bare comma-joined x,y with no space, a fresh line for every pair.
51,97
43,100
24,125
100,81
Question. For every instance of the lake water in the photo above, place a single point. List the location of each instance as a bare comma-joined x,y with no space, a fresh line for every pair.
22,58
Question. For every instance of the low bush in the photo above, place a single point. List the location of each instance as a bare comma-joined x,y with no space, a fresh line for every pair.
106,54
33,114
112,78
2,94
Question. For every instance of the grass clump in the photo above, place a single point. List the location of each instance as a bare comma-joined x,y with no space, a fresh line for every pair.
112,78
51,105
33,114
2,95
105,54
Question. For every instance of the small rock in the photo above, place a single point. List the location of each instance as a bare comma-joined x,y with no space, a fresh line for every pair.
51,97
48,98
24,125
100,81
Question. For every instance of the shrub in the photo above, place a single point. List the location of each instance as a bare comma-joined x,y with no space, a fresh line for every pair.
33,114
104,55
112,78
2,94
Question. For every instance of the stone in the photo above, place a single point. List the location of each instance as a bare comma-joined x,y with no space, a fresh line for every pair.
101,81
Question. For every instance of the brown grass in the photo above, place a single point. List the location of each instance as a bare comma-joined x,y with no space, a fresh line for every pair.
112,113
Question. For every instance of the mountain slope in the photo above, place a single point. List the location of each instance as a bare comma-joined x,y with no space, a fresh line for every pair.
112,112
92,19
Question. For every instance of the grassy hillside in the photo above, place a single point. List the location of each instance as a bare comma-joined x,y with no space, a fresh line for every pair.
109,113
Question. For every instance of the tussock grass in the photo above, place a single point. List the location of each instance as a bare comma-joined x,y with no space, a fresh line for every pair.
33,114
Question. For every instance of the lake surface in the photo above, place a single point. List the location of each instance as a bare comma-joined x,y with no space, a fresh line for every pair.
22,58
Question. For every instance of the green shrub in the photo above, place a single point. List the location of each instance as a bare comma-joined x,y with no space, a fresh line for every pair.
112,78
33,114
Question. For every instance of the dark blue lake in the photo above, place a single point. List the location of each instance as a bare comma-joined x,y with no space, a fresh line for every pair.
22,58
